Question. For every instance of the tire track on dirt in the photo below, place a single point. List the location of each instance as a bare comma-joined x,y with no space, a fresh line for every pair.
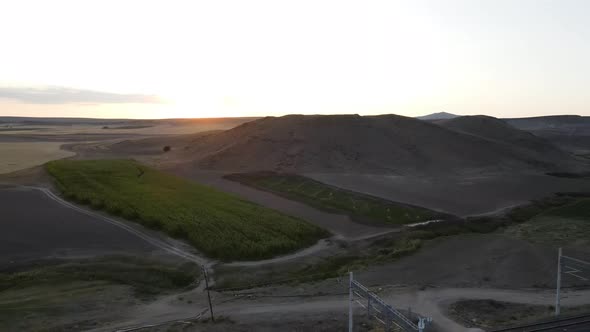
146,237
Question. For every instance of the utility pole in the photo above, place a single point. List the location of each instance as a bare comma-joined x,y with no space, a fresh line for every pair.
557,296
208,294
350,299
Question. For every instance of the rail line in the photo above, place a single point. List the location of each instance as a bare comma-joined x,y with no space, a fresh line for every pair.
582,321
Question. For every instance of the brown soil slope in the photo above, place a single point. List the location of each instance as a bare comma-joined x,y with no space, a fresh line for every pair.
386,144
496,130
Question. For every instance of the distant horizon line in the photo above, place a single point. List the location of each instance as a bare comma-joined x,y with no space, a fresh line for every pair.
257,117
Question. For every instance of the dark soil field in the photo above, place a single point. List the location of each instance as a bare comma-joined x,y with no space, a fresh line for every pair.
459,195
35,227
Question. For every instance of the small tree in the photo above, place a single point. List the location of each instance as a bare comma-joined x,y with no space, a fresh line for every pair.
167,148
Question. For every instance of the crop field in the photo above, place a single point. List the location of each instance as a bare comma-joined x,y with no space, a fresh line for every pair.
361,207
21,155
220,225
565,225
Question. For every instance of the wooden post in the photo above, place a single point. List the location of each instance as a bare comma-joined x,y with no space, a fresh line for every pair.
208,294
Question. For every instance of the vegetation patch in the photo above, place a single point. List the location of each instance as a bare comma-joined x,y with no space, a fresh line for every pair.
579,209
361,207
316,269
220,225
553,230
75,295
144,276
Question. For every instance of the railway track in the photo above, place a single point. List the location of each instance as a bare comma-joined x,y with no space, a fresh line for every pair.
571,324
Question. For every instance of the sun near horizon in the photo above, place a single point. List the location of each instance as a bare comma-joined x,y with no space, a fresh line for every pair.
183,59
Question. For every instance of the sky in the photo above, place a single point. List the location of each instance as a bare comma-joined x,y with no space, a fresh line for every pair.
166,59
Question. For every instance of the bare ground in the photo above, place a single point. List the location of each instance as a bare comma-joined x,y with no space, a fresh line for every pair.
470,194
38,225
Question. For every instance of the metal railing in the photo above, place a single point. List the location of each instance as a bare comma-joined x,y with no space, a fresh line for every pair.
380,310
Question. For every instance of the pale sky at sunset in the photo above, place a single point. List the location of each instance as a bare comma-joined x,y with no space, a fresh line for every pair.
162,59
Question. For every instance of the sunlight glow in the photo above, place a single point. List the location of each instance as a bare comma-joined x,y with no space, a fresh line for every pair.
251,58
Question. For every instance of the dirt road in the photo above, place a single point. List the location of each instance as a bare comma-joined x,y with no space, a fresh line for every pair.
250,310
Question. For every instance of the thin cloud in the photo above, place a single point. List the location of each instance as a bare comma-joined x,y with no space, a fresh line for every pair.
61,95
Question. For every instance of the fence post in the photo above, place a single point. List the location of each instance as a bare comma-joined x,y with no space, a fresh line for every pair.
208,294
350,299
558,289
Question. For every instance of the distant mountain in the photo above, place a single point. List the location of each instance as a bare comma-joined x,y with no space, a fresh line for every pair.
385,144
437,116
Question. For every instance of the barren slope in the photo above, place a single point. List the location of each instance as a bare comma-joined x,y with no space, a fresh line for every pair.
386,144
569,132
496,130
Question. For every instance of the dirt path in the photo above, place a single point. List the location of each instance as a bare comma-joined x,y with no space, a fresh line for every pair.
431,302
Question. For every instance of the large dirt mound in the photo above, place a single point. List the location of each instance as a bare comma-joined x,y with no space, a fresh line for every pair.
389,144
493,129
569,132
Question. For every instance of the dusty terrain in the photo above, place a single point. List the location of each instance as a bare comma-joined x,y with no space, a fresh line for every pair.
569,132
464,166
28,142
485,173
56,229
460,195
387,144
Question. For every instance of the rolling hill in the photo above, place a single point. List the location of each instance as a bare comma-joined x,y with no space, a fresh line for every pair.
497,130
385,144
569,132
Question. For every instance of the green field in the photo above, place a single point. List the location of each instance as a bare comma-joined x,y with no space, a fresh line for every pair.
577,210
144,276
361,207
568,224
76,295
220,225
